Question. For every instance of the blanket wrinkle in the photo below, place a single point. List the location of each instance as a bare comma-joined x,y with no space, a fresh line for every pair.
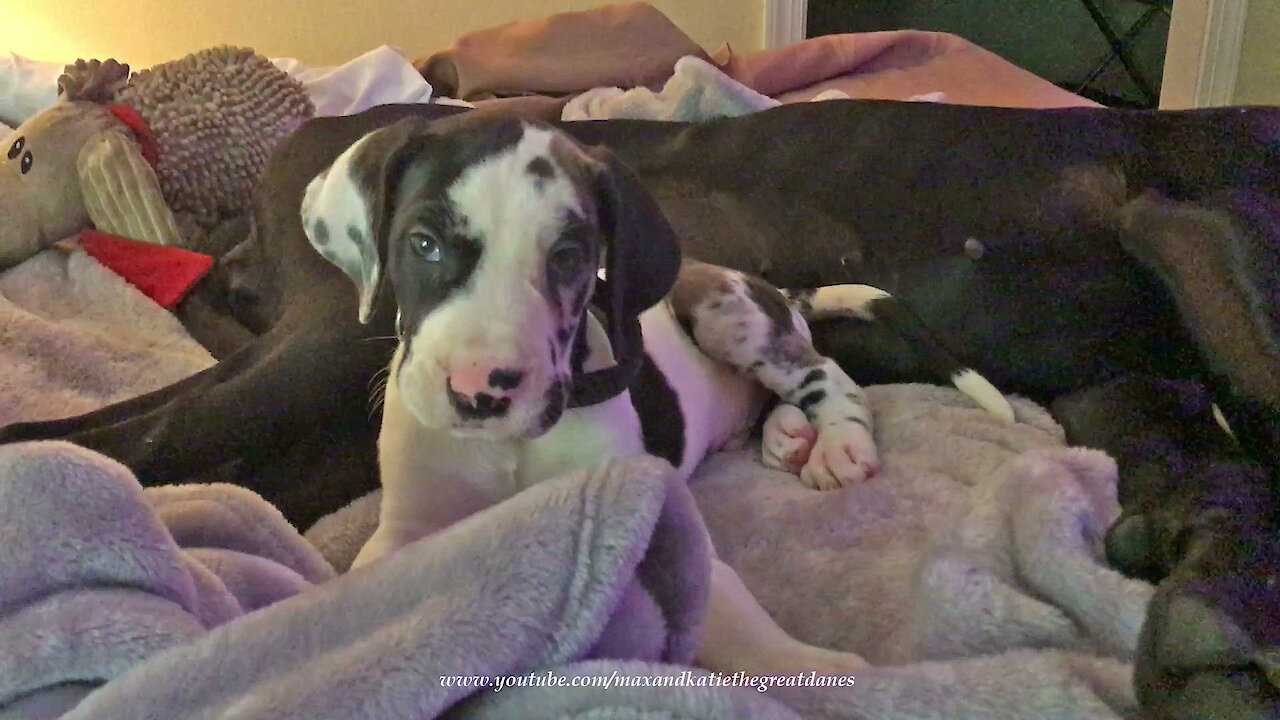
74,337
92,583
1008,686
629,45
528,585
59,529
894,65
230,517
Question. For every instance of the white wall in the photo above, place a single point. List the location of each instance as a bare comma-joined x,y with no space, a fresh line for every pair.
319,32
1258,79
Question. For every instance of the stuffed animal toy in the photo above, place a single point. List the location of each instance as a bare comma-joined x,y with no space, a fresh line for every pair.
164,155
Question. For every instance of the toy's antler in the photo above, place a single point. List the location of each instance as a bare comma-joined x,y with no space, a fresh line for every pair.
93,80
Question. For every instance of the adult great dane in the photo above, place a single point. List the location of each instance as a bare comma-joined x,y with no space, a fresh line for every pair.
1055,251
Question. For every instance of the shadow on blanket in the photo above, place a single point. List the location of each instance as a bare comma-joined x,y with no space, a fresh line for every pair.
973,565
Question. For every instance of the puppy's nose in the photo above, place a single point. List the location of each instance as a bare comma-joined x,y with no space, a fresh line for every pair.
478,391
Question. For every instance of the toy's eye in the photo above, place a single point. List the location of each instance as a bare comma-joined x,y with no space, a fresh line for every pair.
16,147
25,165
426,245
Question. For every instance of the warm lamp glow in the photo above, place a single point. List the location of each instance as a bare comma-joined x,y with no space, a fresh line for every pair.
318,32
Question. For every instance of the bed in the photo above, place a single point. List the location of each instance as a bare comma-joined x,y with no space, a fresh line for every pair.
969,573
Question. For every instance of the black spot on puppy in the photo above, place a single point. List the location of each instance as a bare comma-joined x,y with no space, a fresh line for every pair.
320,232
505,379
811,399
356,235
813,377
771,303
541,168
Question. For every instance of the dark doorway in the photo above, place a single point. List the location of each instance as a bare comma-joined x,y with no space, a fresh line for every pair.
1111,51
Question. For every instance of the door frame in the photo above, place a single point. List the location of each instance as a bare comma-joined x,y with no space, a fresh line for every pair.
1203,53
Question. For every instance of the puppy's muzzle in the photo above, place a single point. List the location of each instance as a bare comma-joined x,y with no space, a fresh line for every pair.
480,393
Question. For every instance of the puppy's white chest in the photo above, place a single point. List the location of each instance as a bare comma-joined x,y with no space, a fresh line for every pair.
584,437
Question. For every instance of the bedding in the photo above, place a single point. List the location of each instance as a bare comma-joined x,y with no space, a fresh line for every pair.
969,572
74,336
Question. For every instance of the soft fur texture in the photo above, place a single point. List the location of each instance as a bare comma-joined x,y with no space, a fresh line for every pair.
74,337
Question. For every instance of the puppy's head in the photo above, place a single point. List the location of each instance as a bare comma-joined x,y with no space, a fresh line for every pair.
490,234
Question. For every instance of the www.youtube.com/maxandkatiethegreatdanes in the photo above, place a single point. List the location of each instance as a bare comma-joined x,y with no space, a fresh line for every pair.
686,678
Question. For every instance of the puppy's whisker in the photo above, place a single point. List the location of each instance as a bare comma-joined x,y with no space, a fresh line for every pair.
378,397
378,338
381,375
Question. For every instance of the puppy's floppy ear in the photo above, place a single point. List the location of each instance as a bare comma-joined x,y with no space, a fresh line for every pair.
347,209
643,254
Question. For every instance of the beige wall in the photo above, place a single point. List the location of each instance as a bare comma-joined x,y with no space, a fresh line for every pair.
319,32
1258,79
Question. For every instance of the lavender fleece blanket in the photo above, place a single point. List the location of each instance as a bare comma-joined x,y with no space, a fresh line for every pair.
968,571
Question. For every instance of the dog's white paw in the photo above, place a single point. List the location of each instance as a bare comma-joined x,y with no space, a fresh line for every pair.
788,439
843,454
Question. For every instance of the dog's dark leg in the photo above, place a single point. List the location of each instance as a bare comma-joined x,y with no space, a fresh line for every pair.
1216,263
1179,469
1210,646
209,322
245,408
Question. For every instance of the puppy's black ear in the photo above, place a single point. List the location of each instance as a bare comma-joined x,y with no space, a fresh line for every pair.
347,209
642,253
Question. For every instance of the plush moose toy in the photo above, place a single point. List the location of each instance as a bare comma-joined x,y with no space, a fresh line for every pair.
163,156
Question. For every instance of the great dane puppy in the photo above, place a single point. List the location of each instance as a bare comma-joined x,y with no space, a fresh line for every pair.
506,373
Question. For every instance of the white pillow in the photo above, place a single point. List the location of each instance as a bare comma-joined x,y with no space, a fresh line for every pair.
26,87
377,77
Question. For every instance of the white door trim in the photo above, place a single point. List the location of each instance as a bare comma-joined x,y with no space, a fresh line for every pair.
784,22
1203,53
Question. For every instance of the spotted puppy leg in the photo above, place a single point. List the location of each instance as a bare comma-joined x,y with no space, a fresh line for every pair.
823,429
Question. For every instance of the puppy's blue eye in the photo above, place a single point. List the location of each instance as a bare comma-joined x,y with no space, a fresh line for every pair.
426,245
566,257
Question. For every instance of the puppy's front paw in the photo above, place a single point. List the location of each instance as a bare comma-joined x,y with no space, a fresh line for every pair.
788,439
844,454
